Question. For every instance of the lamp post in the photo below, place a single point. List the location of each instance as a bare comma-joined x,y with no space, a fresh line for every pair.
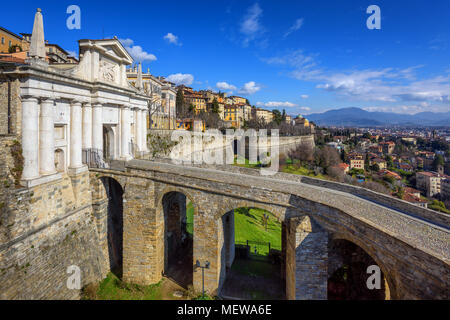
206,266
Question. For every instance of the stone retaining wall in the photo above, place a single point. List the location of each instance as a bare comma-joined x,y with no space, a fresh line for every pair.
44,230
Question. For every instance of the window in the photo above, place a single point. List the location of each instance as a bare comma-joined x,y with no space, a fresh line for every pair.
3,40
10,43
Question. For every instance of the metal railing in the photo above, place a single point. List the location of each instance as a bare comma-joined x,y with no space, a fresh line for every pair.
260,248
94,158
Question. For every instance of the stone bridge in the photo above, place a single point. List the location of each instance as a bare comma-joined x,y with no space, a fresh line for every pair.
409,244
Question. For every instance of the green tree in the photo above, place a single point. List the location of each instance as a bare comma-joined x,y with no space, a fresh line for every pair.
277,116
367,162
438,161
389,161
283,116
215,106
343,155
13,48
180,103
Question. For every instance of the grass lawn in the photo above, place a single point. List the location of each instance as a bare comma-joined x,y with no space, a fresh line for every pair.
249,226
302,171
190,218
247,163
288,168
112,288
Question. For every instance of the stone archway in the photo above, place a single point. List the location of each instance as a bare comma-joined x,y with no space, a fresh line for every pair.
178,228
114,224
250,249
350,258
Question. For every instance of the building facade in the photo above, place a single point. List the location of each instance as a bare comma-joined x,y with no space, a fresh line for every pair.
429,182
263,114
162,96
9,39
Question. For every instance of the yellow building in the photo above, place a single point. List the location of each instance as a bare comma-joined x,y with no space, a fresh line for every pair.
266,115
238,100
233,116
9,39
191,125
220,98
356,161
300,121
196,100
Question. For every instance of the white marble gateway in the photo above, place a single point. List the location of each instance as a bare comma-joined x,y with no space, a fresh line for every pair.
82,114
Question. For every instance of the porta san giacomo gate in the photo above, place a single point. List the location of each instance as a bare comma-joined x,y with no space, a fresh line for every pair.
77,127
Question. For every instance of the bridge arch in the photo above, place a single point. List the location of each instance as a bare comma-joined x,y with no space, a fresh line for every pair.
176,210
257,257
110,221
388,283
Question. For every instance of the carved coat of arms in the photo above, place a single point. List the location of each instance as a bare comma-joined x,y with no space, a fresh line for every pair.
107,71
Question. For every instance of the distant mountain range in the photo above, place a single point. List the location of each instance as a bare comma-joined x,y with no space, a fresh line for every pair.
356,117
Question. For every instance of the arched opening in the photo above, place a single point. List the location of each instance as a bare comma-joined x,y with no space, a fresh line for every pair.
348,273
114,224
60,164
251,255
108,143
178,238
243,142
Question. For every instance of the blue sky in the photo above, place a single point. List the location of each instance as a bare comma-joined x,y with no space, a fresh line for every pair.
303,56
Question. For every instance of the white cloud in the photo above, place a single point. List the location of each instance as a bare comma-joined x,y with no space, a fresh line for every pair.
126,42
225,86
296,26
72,53
388,85
249,88
171,38
251,26
181,78
137,52
277,104
304,96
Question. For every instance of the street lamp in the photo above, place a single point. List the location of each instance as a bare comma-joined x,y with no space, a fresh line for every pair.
206,266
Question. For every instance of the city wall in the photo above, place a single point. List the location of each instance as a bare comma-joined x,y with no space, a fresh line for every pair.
43,231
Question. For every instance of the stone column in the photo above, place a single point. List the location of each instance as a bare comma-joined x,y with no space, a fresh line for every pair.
306,260
138,126
87,126
97,128
46,138
208,246
75,135
125,133
30,138
144,129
